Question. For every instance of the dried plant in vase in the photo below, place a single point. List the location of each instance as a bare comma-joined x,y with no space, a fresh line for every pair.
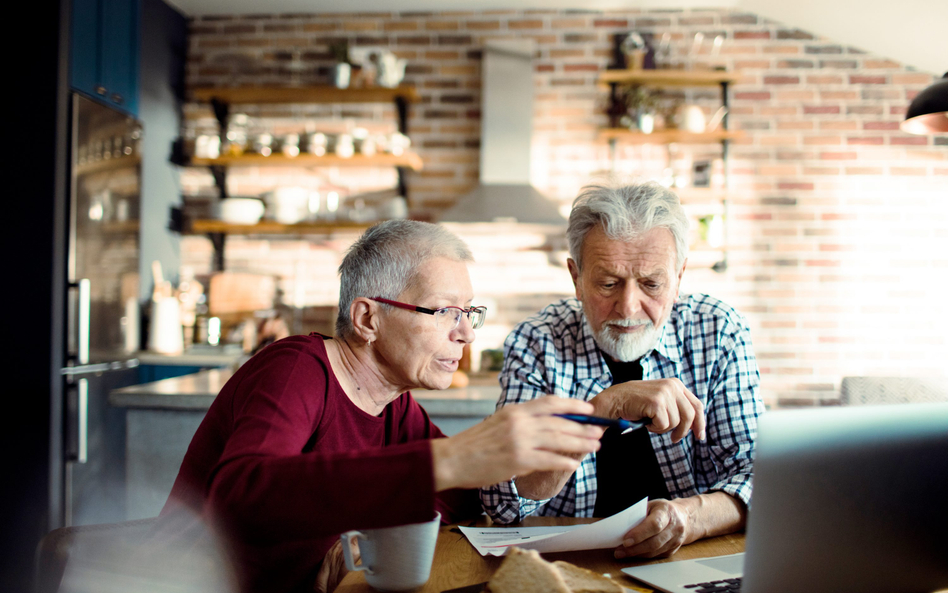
641,105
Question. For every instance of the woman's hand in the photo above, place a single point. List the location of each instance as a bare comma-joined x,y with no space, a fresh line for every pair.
517,440
333,569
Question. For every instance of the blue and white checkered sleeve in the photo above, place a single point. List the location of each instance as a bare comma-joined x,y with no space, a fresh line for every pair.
733,412
521,380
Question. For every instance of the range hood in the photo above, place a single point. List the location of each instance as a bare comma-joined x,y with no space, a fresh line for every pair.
504,193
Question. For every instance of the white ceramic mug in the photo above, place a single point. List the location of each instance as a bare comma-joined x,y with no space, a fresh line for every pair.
394,558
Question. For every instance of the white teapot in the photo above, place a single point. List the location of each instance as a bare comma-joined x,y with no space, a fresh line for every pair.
391,69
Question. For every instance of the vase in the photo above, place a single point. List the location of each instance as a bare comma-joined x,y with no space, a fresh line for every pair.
341,74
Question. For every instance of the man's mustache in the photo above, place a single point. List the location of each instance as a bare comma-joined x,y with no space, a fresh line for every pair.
626,323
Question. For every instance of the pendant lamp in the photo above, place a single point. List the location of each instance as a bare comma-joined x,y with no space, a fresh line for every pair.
928,113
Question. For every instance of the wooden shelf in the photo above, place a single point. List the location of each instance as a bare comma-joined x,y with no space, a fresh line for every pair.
408,160
267,227
121,227
668,136
112,164
668,78
270,95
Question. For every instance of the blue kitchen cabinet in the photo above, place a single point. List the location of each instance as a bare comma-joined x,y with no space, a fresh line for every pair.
105,51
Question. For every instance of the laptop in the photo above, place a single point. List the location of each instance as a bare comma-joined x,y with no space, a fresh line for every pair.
845,499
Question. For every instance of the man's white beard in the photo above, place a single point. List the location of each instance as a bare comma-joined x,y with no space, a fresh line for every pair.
626,347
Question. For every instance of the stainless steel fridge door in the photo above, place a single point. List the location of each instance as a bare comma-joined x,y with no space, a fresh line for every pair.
102,268
94,478
104,231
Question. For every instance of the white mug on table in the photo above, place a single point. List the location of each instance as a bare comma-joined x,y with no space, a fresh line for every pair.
394,558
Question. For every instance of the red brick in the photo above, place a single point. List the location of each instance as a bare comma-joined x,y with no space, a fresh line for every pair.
752,35
820,109
837,124
837,95
909,140
781,80
581,68
525,24
873,141
795,185
880,64
482,25
568,23
862,79
752,96
821,170
612,23
795,125
912,78
837,156
822,140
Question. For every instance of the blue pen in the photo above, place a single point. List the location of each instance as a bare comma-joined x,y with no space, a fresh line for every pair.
625,425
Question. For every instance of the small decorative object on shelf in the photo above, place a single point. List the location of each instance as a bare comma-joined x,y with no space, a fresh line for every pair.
635,51
342,70
391,69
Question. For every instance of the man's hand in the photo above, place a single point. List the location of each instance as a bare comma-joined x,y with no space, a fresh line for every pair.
333,569
670,405
664,530
517,440
670,524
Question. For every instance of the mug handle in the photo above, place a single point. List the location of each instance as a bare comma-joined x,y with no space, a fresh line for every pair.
347,551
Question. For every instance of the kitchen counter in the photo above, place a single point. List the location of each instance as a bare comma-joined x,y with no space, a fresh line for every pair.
198,390
210,357
162,417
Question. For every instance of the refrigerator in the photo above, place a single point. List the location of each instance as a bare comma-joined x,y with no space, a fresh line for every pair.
102,318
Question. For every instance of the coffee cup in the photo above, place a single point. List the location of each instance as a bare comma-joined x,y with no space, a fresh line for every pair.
394,558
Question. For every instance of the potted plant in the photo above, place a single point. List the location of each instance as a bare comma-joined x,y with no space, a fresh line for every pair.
342,70
641,104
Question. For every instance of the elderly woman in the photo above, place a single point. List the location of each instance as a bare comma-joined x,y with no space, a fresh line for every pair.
316,435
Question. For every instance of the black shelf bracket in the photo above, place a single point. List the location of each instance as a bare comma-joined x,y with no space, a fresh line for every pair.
220,179
217,241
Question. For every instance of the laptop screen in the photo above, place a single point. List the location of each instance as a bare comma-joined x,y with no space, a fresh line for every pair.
850,499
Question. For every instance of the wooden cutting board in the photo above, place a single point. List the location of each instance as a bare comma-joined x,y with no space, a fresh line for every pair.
239,292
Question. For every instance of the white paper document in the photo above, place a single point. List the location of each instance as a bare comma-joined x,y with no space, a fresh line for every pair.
605,533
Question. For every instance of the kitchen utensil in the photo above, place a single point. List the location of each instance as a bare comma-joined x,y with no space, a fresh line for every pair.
290,145
289,205
391,69
241,210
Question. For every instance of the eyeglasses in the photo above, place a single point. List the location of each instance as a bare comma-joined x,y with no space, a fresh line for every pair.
447,318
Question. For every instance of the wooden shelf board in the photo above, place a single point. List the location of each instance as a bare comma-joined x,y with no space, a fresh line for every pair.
267,227
668,136
113,164
668,78
409,160
313,94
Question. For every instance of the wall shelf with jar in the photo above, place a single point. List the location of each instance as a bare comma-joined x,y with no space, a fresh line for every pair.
645,107
234,146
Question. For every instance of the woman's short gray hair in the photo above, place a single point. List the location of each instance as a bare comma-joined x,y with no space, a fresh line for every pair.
384,260
626,211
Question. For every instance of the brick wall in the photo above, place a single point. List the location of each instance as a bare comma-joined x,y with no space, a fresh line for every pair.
838,226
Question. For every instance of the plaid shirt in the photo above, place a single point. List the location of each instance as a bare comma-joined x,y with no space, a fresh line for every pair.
705,344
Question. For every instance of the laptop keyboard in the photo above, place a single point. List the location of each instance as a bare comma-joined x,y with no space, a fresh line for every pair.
722,586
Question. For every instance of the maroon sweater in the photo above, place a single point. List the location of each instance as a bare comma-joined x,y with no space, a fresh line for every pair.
284,462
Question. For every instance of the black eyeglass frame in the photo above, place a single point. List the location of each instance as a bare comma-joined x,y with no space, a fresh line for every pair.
465,312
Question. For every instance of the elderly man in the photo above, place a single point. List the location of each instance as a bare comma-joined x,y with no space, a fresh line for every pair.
628,345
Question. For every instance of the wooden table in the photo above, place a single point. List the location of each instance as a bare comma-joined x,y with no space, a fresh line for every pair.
457,563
